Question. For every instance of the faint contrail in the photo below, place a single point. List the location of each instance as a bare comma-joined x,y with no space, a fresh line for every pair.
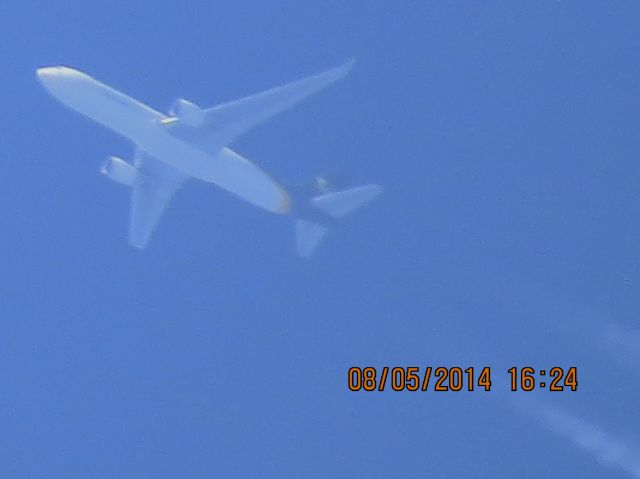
603,446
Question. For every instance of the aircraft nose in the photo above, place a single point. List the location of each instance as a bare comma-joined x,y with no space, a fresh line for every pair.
49,73
45,71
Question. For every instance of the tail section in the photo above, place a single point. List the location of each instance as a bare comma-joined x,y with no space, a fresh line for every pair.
341,203
311,229
308,236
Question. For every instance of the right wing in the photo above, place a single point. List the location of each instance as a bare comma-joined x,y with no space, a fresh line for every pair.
154,187
224,123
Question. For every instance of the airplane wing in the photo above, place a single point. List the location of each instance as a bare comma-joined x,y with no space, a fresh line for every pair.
226,122
154,187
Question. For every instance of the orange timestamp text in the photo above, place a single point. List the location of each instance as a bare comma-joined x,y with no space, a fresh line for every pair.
413,379
443,379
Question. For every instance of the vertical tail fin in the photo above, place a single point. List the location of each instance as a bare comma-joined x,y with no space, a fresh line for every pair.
308,236
337,204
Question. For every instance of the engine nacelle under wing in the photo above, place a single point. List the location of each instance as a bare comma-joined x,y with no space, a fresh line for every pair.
187,112
119,171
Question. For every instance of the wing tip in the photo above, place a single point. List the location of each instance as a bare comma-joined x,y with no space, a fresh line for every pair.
346,67
138,243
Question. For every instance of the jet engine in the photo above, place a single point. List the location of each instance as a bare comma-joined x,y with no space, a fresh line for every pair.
119,170
187,112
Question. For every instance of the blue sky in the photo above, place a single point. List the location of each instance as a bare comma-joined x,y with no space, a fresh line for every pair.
505,135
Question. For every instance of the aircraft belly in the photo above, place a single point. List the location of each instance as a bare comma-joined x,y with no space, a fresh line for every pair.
225,168
103,104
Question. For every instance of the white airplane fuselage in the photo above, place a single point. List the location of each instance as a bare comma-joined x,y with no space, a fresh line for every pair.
150,131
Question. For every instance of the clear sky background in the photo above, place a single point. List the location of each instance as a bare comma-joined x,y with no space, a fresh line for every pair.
505,135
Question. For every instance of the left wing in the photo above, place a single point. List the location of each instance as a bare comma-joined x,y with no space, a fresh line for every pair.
154,187
215,127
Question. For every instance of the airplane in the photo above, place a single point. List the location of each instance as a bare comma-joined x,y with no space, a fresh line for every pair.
192,142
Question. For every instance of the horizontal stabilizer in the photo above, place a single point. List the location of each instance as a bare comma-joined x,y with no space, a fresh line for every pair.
340,203
308,237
